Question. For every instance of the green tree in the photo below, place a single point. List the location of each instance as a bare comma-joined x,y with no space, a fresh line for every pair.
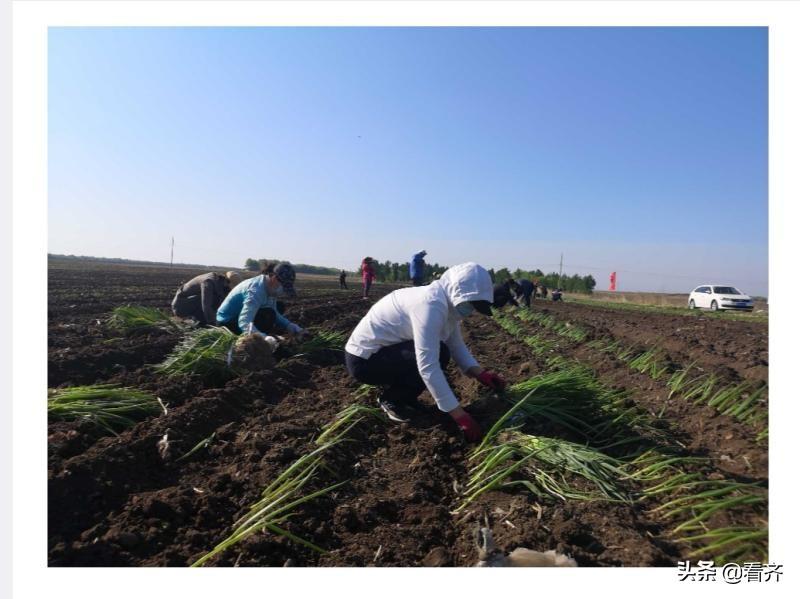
502,275
251,264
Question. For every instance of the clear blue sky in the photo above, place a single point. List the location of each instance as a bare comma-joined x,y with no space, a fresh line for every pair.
640,150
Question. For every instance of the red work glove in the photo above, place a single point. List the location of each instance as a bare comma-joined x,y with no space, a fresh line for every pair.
468,426
491,380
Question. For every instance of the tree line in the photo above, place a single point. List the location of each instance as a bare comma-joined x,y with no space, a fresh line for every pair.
397,272
569,283
309,269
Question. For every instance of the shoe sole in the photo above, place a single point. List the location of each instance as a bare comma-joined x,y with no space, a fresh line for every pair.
393,416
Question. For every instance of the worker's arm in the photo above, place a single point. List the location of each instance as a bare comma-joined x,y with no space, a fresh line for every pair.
459,351
427,324
282,322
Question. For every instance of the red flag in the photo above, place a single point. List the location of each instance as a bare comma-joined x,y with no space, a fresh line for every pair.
612,286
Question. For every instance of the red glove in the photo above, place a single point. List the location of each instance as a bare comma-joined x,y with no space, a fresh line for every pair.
491,380
468,426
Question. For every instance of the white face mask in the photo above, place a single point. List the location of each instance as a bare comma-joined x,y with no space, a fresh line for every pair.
465,309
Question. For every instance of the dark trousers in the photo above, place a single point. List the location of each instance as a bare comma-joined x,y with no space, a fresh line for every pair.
264,321
526,297
189,307
342,284
417,281
394,367
367,285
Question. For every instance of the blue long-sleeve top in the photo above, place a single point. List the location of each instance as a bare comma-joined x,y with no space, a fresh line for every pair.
245,300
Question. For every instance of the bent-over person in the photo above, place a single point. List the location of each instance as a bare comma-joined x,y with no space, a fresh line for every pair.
202,296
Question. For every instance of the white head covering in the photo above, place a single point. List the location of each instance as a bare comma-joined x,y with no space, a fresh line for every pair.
467,282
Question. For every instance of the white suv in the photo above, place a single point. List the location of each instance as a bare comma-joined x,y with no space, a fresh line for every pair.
719,297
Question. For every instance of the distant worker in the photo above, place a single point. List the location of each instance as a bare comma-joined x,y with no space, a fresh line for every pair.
343,280
408,337
253,307
201,296
367,275
556,295
543,291
416,268
524,291
503,294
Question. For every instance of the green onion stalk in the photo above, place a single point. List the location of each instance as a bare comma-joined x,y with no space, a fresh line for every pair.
286,493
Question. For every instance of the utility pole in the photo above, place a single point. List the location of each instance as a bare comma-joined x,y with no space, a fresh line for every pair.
560,268
171,251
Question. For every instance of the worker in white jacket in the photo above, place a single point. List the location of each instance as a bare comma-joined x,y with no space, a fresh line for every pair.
408,337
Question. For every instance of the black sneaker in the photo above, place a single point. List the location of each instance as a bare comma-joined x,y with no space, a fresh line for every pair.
394,410
415,405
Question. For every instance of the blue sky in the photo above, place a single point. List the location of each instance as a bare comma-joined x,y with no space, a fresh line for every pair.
640,150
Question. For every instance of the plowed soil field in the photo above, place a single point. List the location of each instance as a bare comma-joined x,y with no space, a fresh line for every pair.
128,500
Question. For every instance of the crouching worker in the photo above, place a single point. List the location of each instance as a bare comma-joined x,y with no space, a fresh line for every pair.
408,337
253,307
524,291
504,294
201,297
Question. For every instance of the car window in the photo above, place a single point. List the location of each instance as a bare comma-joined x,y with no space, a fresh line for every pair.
727,290
703,290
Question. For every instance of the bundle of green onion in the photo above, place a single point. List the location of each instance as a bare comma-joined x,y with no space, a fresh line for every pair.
547,465
129,319
204,352
574,399
110,407
322,339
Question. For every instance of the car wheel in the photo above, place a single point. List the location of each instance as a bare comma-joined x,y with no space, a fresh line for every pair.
691,305
714,306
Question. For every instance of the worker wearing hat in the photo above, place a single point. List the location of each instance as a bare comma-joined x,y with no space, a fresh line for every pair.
252,306
408,337
202,295
416,268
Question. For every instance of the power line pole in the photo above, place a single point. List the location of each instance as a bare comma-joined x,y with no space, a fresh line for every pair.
560,268
171,251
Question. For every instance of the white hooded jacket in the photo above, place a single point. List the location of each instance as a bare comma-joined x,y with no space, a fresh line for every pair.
426,315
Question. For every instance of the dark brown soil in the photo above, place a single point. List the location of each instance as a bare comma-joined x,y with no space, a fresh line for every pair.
130,500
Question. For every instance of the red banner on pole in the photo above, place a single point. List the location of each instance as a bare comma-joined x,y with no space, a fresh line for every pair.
612,285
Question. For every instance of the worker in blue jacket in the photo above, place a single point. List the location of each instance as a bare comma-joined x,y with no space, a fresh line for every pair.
416,269
252,306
